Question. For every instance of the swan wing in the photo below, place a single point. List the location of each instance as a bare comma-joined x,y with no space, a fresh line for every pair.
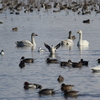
85,42
47,46
23,43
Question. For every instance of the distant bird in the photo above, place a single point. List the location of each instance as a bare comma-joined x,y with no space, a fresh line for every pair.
52,60
60,79
67,42
41,50
98,60
15,29
82,42
28,85
96,69
64,63
27,42
86,21
46,91
71,93
21,64
70,36
84,63
2,52
77,64
27,60
65,87
52,49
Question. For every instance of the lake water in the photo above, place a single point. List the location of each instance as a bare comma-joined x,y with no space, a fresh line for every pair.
51,28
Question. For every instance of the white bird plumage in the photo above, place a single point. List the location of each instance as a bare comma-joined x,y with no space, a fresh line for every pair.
52,49
2,52
41,50
96,69
27,42
82,42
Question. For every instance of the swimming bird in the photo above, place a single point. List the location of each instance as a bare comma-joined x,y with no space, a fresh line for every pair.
21,64
70,36
85,63
65,87
27,60
98,60
2,52
82,42
52,49
64,63
77,64
41,50
96,69
52,60
27,42
46,91
60,79
67,42
71,93
28,85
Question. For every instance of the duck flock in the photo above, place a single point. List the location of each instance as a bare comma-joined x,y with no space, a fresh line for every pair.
81,8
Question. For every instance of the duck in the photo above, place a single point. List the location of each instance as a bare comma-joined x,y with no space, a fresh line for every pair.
15,29
21,64
70,36
46,91
60,79
41,50
65,87
84,63
64,63
77,64
98,60
82,42
28,85
96,69
71,93
2,52
27,42
52,60
86,21
52,49
27,60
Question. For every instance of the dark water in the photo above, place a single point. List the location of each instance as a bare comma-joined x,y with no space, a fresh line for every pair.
51,28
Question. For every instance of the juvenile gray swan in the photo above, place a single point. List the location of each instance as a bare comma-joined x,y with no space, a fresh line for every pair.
27,42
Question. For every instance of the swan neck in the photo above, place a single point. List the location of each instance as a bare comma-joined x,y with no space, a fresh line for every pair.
80,37
33,40
69,35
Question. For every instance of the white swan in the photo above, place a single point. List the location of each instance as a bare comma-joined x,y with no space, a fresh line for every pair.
67,42
82,42
41,50
52,49
96,69
27,42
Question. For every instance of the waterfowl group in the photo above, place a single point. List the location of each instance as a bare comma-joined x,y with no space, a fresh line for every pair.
27,42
